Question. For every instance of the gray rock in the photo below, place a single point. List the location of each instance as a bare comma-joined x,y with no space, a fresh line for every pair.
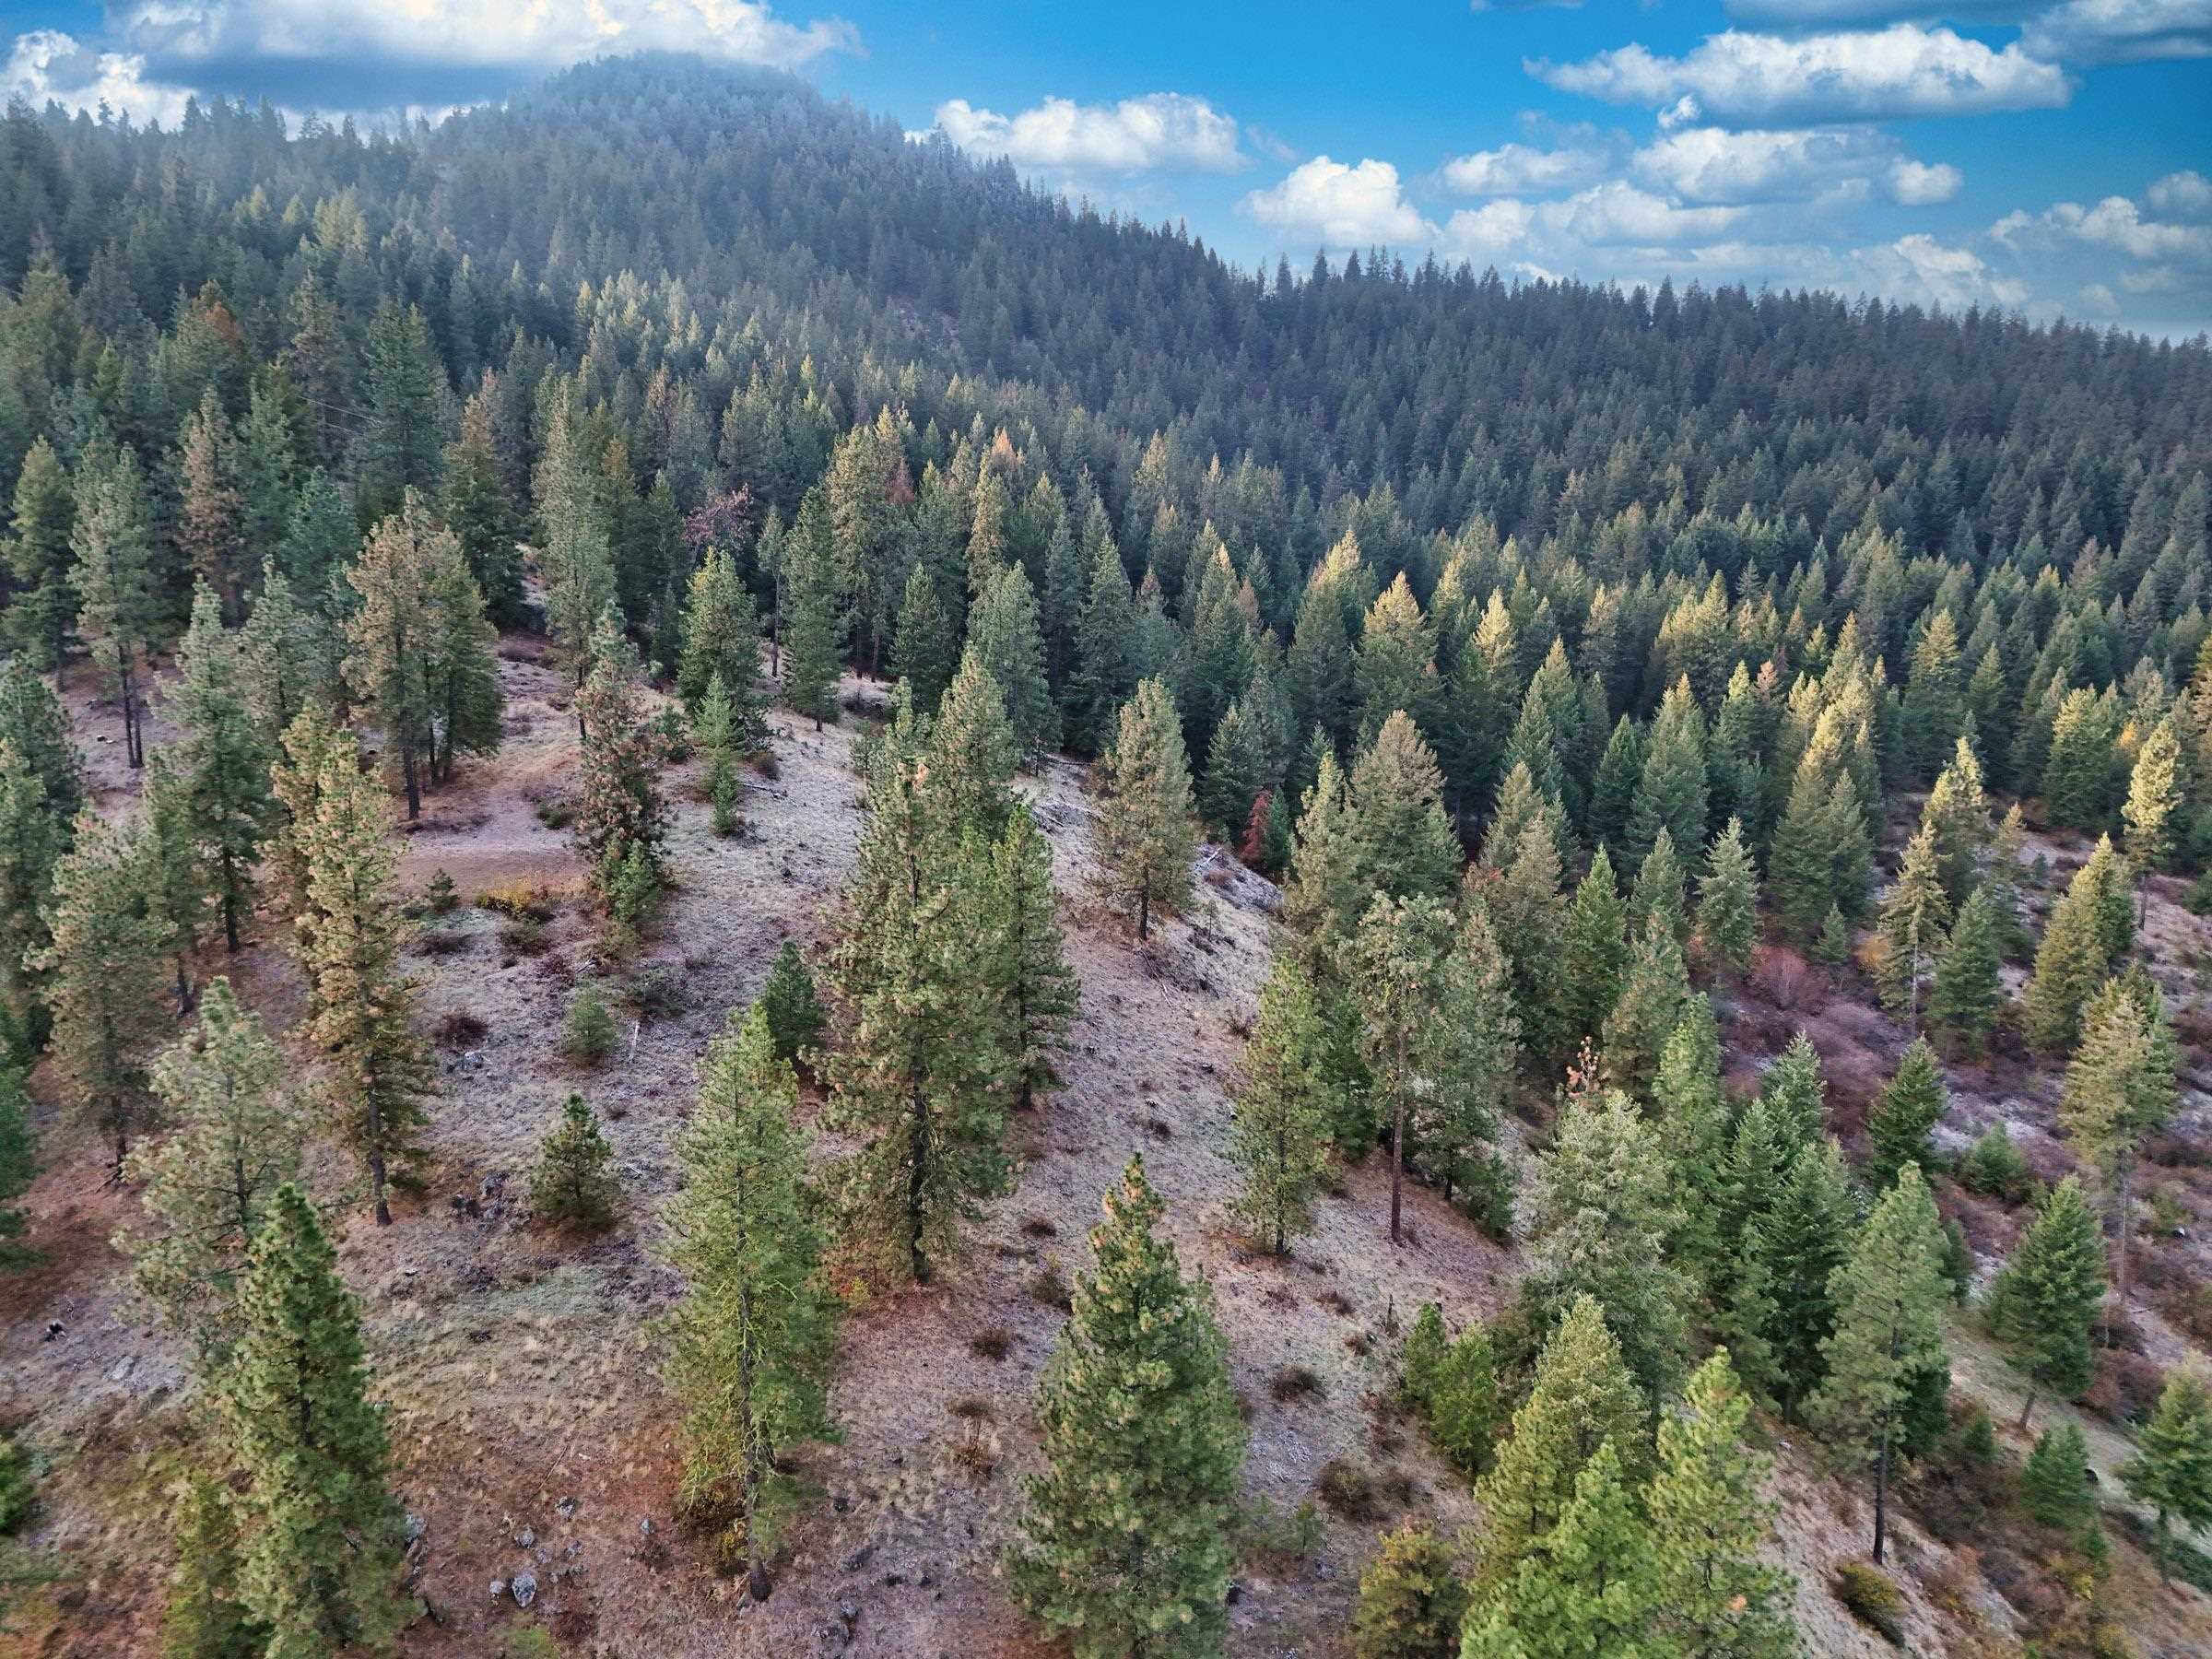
415,1527
526,1537
566,1509
524,1588
498,1588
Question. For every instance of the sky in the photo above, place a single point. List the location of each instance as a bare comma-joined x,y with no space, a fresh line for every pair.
2052,157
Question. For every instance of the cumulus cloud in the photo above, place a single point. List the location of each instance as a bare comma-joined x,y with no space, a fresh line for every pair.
1921,184
2115,222
1618,212
1160,132
2119,31
1946,274
481,33
48,66
1516,168
1340,206
2187,195
1743,78
1760,164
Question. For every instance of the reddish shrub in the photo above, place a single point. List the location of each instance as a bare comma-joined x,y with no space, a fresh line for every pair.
2126,1388
1782,976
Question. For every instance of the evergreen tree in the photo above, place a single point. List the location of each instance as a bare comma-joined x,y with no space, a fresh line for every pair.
1235,773
2055,1484
1125,1548
44,611
1144,834
2070,963
1889,1297
1026,967
1912,925
972,755
1589,1588
319,539
2119,1088
1278,1136
209,506
2078,774
2153,802
1005,635
754,1338
1796,1093
714,734
1652,995
1613,791
1968,990
1728,901
1671,793
1581,1398
572,1185
398,446
1956,821
794,1017
1897,1126
235,1133
1592,954
1658,899
314,746
360,1005
284,655
1934,696
475,502
1398,961
1709,1519
33,838
1482,1044
18,1164
621,812
1105,653
814,625
222,766
2002,883
113,578
1411,1602
721,636
1394,666
924,640
1324,895
322,1556
1404,841
2172,1470
2044,1301
104,969
205,1617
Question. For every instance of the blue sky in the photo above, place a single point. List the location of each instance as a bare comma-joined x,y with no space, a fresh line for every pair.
2050,157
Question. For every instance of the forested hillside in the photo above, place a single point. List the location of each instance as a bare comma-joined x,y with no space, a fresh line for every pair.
650,737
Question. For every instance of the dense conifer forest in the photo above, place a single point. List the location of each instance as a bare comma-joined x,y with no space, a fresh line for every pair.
783,895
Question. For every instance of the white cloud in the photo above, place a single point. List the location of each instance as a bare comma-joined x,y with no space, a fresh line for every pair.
1161,131
475,32
1617,212
2115,222
2100,299
2187,195
1940,273
1512,168
1490,229
1759,164
1920,184
1745,78
46,64
2119,31
1341,206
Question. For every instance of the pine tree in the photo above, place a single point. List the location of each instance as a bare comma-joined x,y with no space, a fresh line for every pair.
813,628
1728,901
2153,802
18,1162
1127,1549
971,754
1968,990
924,640
1581,1398
322,1556
753,1340
1710,1518
222,766
104,963
1897,1126
1889,1298
113,577
721,636
1658,899
2172,1470
360,1005
1592,954
2119,1087
205,1617
572,1185
1411,1602
2055,1483
2044,1301
1145,834
1405,843
1802,1241
794,1017
1652,995
1026,967
314,746
33,838
45,511
1398,961
1278,1136
1912,925
1006,638
235,1136
1482,1045
622,812
174,884
1589,1588
1956,819
209,506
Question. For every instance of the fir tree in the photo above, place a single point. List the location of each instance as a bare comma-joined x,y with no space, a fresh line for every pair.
1105,653
1888,1296
18,1162
2119,1087
572,1185
1025,967
1324,897
1613,791
1593,953
2044,1301
1125,1546
722,638
209,506
971,754
113,578
398,448
1145,834
315,747
1589,1588
2153,802
205,1617
813,628
1405,843
1397,970
795,1016
284,656
714,734
33,838
104,969
754,1338
44,611
1796,1093
1968,990
1658,899
1006,639
1897,1126
360,1006
1279,1132
1710,1520
1671,793
1411,1602
2172,1470
622,813
2070,963
1235,773
924,640
235,1138
475,502
1652,995
1482,1044
1912,925
574,555
2055,1483
1956,821
323,1556
1728,901
222,766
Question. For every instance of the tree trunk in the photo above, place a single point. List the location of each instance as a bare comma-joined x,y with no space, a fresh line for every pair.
2123,1279
407,767
916,1180
1881,1466
2033,1390
1144,913
376,1159
230,901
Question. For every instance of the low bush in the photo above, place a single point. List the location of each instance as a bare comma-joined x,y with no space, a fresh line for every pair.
1869,1597
587,1035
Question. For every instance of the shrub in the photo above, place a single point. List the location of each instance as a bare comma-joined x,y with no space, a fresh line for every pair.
994,1345
1781,976
587,1035
524,936
1265,1536
1294,1383
1411,1600
439,894
1868,1596
558,813
1994,1168
530,1641
573,1185
522,901
1359,1492
460,1031
657,993
1049,1285
15,1485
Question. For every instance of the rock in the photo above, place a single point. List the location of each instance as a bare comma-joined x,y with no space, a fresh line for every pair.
524,1588
566,1509
848,1613
498,1588
414,1527
525,1537
645,1527
859,1558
